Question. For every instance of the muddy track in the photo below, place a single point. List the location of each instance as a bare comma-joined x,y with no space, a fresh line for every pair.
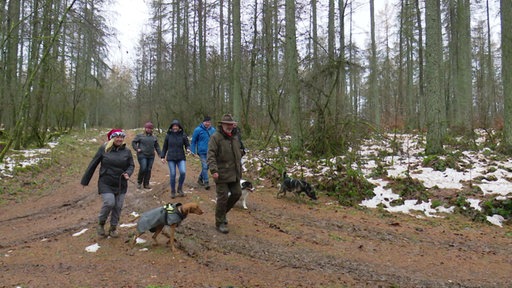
45,221
276,243
301,254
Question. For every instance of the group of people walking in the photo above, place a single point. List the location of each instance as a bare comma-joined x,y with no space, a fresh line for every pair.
220,151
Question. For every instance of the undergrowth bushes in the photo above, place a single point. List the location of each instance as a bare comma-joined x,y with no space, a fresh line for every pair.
342,177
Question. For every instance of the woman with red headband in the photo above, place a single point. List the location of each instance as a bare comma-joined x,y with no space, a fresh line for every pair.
116,168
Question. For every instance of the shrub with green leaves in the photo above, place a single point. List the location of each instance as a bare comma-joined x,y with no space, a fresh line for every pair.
463,207
500,207
441,163
409,188
352,188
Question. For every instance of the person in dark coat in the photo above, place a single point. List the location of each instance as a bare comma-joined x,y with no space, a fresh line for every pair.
175,146
116,168
224,160
199,146
145,144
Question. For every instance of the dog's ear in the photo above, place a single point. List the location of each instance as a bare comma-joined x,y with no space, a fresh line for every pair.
193,207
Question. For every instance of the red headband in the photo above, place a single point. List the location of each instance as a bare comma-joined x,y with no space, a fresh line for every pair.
115,133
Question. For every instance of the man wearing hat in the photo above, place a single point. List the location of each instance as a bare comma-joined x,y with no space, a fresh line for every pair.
224,159
199,146
145,144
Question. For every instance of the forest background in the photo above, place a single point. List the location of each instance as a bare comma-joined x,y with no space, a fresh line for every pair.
438,67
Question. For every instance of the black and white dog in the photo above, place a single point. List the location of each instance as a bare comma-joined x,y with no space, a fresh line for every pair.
296,186
246,189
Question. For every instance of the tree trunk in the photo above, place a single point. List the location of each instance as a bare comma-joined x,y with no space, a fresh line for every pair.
374,109
342,103
506,71
421,78
433,74
12,85
237,60
314,27
331,43
203,81
292,90
270,94
462,98
491,80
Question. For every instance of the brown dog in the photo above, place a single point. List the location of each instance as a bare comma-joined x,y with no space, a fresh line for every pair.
168,215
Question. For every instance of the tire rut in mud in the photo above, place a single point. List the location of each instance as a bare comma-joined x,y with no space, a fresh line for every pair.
47,221
301,256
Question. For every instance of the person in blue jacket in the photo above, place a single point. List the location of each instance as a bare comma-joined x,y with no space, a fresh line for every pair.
175,145
199,146
115,170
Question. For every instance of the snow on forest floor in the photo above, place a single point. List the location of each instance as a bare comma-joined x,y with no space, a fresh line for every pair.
493,174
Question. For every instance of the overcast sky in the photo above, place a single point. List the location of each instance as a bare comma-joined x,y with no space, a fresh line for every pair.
128,18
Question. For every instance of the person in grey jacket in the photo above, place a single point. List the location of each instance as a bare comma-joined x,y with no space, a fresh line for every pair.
145,144
175,144
116,168
224,160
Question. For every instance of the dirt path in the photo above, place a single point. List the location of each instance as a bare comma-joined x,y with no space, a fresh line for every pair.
275,243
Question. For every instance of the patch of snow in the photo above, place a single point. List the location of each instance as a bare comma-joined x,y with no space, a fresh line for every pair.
496,220
80,232
22,158
501,186
93,248
474,203
407,161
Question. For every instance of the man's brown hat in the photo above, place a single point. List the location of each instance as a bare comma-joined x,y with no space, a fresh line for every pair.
227,119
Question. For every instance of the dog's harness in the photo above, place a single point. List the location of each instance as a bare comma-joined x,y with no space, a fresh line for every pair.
170,208
295,183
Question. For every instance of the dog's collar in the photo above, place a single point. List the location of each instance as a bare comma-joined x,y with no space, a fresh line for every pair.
180,213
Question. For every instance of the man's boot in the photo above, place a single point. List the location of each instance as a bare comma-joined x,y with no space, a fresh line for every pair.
100,229
223,228
180,192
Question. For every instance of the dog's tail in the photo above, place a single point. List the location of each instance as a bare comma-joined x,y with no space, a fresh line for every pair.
135,216
284,175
